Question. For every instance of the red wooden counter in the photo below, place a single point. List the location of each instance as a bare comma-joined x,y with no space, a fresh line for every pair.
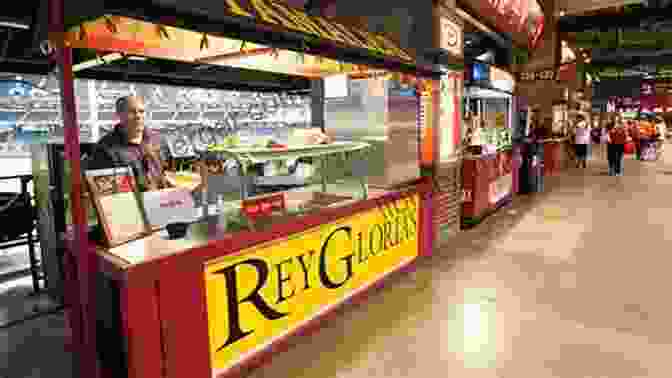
209,308
487,181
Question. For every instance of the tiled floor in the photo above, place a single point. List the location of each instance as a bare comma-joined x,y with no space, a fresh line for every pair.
571,283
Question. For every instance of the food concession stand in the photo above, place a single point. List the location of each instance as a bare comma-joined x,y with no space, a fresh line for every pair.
257,269
488,165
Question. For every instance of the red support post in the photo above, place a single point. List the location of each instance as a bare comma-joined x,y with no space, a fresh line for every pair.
84,317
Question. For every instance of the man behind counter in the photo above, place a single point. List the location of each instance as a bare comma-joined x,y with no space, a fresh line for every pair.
131,144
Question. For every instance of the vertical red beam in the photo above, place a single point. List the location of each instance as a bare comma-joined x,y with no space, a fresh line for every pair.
142,323
84,256
457,103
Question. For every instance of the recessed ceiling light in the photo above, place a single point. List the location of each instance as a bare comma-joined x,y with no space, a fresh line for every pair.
14,25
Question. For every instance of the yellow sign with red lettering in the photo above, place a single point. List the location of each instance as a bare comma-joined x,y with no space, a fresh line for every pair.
261,294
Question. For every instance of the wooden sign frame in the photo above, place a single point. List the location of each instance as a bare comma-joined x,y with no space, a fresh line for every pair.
105,183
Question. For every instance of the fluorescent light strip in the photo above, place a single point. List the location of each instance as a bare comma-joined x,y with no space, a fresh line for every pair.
96,62
14,25
464,15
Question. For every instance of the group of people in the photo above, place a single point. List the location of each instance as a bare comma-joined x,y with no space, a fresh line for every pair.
611,140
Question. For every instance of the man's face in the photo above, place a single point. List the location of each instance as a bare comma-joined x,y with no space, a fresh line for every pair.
134,116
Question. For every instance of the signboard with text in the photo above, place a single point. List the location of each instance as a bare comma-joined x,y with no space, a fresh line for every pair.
168,42
257,296
523,19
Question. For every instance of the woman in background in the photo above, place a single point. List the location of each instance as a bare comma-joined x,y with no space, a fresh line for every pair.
661,130
599,135
617,137
581,141
635,133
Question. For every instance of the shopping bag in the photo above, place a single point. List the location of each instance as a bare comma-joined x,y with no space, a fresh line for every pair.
629,148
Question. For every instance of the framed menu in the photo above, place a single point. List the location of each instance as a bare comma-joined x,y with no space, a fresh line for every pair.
116,188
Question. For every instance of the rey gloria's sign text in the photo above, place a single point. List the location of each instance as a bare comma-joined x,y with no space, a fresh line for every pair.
262,293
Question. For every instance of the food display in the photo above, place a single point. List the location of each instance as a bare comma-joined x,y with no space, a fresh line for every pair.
499,138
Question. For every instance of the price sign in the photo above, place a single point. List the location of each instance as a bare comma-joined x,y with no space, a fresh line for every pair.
264,206
548,74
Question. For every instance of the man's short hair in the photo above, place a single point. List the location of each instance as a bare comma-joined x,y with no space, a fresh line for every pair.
121,105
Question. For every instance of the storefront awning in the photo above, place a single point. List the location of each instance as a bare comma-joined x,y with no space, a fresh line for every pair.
214,31
140,38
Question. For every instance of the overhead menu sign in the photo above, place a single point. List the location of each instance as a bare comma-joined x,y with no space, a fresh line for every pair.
279,14
282,17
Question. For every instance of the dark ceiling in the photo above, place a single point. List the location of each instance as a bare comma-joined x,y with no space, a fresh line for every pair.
477,43
19,43
644,19
656,16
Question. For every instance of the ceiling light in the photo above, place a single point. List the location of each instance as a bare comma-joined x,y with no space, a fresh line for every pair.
139,58
14,25
562,13
97,62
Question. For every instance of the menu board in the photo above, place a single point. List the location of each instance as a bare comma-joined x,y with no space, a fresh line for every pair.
115,188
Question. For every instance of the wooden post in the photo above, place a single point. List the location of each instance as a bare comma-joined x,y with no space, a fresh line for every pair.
83,314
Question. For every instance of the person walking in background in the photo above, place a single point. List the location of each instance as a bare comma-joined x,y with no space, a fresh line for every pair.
635,133
618,137
581,140
599,135
661,130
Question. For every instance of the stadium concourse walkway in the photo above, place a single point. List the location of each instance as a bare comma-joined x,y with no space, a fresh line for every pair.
565,284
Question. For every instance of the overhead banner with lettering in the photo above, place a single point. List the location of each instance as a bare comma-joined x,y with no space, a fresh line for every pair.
259,295
273,15
523,19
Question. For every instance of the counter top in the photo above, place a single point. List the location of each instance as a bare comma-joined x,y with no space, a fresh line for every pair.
203,233
259,155
486,156
555,140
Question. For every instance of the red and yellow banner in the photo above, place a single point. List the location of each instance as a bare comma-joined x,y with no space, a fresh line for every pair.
155,40
259,295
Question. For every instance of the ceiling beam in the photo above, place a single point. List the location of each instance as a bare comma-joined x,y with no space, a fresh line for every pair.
634,18
631,61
